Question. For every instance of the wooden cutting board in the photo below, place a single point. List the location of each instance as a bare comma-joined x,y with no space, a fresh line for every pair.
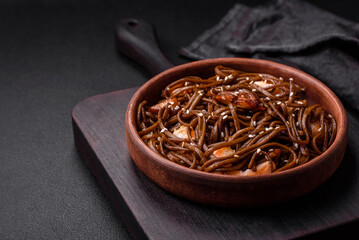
149,212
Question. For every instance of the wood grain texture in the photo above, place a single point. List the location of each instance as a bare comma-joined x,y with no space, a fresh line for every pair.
137,39
150,212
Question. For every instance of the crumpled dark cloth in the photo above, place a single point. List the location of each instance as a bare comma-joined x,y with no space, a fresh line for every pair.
292,32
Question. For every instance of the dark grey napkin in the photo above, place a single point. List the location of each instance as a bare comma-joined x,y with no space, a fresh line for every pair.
292,32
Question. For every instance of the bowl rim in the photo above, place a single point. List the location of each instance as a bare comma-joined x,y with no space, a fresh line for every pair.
130,124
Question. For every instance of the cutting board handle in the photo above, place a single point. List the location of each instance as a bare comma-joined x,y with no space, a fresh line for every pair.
137,40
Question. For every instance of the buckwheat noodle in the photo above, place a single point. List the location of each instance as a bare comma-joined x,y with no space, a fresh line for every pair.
235,123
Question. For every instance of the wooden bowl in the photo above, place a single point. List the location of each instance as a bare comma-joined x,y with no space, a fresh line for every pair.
237,191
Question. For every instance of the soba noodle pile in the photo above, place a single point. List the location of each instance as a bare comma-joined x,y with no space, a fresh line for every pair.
235,123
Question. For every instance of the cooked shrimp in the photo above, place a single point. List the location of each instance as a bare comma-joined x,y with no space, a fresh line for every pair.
263,84
223,152
173,102
181,132
241,98
263,168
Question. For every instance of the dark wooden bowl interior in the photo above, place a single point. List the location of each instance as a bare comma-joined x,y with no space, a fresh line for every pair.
237,191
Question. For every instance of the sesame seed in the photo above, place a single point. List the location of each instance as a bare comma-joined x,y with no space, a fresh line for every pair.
168,88
251,135
291,94
177,107
277,127
223,113
222,89
297,124
270,150
236,156
268,129
277,95
187,111
247,78
251,82
182,144
192,143
267,98
260,75
295,145
159,139
225,116
218,78
230,76
266,81
290,79
200,114
299,102
293,115
222,134
320,129
225,78
254,123
329,115
258,150
163,129
253,90
248,117
280,78
287,122
279,102
186,83
261,132
285,161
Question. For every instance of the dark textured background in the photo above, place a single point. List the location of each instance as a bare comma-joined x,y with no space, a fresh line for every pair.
54,54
